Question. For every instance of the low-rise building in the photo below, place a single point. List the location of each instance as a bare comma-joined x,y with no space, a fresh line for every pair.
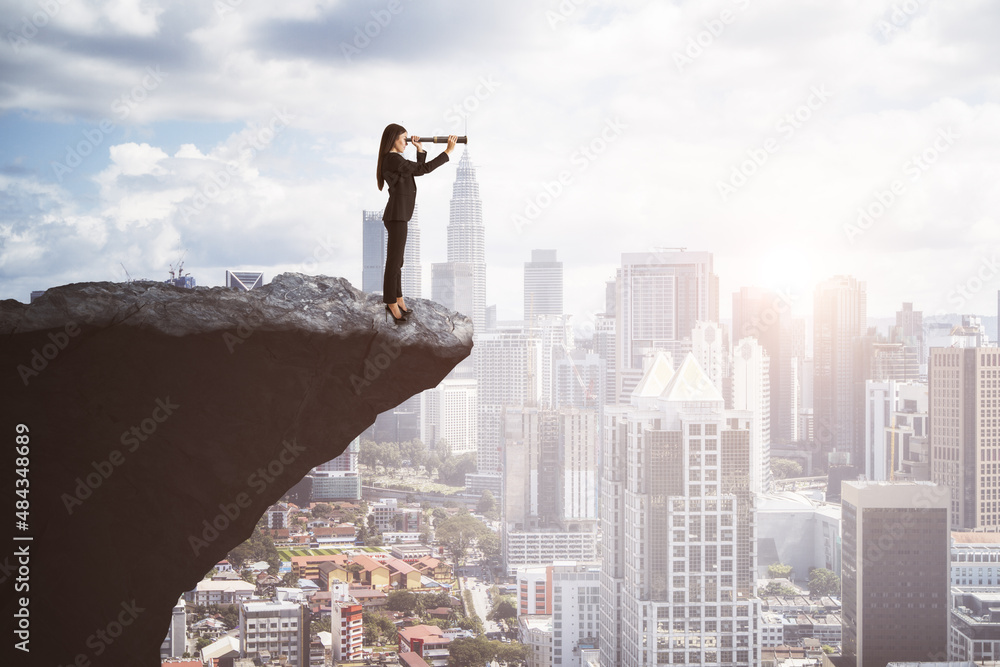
427,641
975,559
535,632
208,592
975,624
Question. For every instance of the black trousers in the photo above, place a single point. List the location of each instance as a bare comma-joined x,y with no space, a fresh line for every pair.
392,281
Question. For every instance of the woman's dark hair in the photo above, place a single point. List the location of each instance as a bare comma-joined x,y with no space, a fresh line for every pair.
389,134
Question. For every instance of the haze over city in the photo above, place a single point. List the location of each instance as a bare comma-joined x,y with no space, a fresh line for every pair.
758,131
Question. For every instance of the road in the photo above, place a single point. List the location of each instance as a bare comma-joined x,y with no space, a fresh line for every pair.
481,601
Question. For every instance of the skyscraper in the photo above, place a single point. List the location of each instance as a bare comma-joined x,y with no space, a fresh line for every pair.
752,393
543,285
467,237
766,316
895,572
550,483
662,295
679,543
963,413
244,281
374,241
839,318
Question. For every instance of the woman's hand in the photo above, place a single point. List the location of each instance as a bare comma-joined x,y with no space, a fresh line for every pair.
416,142
452,139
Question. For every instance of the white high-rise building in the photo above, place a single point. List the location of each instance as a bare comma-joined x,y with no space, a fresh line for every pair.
752,393
896,425
576,617
709,351
449,416
509,373
678,538
280,628
556,336
661,295
543,285
467,237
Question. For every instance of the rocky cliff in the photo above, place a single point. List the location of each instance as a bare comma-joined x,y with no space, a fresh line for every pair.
153,425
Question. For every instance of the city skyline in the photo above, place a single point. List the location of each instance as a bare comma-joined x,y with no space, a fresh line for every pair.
794,143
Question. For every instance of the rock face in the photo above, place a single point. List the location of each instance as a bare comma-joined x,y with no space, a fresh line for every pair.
162,422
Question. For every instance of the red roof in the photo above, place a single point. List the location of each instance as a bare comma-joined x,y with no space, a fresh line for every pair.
411,659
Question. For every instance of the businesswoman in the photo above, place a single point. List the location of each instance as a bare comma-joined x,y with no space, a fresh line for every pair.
399,173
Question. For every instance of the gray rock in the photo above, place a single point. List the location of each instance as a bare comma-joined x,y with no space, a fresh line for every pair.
162,422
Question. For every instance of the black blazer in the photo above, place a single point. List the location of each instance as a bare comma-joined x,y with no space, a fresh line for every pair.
398,173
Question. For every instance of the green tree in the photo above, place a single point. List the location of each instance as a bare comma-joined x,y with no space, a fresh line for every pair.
322,511
458,533
489,543
503,611
402,601
487,506
322,625
779,588
378,628
779,571
823,582
785,468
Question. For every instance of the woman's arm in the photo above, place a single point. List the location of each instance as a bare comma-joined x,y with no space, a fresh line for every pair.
395,162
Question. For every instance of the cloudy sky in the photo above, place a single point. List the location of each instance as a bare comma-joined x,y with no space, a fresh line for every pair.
794,140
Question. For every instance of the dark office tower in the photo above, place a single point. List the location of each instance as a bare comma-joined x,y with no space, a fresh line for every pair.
839,319
467,236
543,285
896,572
374,240
244,281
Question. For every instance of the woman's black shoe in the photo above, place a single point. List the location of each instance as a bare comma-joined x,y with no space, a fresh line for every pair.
406,312
397,320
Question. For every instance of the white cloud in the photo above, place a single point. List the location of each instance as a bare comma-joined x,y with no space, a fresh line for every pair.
553,90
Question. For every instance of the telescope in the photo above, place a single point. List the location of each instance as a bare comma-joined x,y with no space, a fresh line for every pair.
437,140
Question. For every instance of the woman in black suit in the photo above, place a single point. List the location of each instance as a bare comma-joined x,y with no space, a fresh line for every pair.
398,172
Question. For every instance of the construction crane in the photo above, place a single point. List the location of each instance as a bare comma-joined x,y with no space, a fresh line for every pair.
127,274
180,268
